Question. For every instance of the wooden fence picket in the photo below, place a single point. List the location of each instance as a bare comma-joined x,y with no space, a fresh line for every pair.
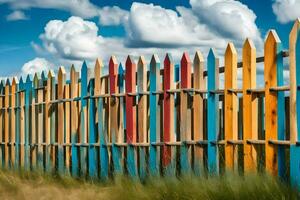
28,99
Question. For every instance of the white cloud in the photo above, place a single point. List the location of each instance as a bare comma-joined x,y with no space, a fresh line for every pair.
112,15
83,8
16,15
37,65
286,10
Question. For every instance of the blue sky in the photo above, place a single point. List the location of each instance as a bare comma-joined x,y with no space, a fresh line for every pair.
128,27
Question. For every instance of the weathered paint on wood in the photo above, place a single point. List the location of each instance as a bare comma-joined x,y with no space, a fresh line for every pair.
198,112
6,122
155,114
61,81
168,158
231,107
28,96
15,120
131,136
212,112
185,113
249,106
67,138
92,135
271,113
294,117
142,114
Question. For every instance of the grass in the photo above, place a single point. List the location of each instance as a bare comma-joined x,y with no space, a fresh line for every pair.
36,186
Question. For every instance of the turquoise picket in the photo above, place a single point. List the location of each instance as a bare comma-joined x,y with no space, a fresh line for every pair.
154,115
92,135
280,109
83,116
28,96
212,112
17,125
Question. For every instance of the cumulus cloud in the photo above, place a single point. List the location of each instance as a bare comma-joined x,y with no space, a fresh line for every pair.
37,65
83,8
112,15
16,15
286,10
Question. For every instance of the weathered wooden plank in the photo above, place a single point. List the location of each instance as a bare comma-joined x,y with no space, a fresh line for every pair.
122,116
113,117
168,158
294,59
33,121
271,113
131,136
185,113
212,112
22,125
100,89
28,100
67,138
142,114
198,112
16,137
6,122
231,107
13,124
74,121
83,119
61,81
92,135
155,114
2,89
249,106
50,122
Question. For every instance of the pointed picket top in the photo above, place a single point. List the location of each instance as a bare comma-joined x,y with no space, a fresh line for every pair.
141,61
294,32
113,61
168,59
21,81
185,58
154,59
129,60
230,49
44,75
186,66
36,79
15,81
84,71
98,67
29,78
211,54
72,70
61,71
121,69
51,74
272,37
248,44
198,58
8,82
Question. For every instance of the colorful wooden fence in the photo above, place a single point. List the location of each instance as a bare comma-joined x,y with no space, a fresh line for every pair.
158,119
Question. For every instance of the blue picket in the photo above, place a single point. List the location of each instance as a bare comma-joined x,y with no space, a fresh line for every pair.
212,112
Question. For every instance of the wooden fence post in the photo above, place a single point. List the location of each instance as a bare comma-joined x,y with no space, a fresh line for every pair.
231,107
271,110
142,114
154,115
2,112
15,122
249,106
6,123
198,112
92,136
122,116
113,117
185,114
74,122
212,112
294,53
61,81
169,157
130,84
28,96
83,119
21,124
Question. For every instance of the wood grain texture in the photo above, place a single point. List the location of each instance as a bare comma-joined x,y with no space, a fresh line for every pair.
198,112
142,114
61,81
185,113
212,112
271,115
13,122
131,135
28,131
155,113
249,106
168,116
231,107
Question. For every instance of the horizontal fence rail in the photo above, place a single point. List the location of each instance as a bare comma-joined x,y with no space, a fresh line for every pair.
158,118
